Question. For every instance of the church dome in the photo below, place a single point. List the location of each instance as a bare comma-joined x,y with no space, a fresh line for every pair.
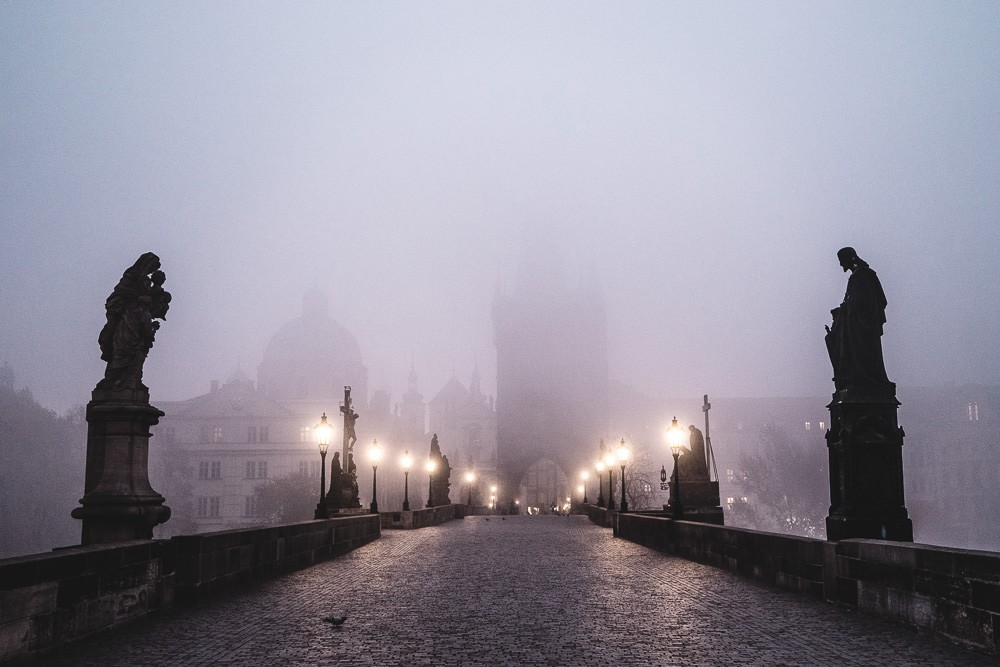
312,358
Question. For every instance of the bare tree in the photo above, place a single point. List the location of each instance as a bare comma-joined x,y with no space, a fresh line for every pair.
785,486
286,499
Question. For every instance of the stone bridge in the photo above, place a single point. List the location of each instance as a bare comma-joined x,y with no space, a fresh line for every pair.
513,590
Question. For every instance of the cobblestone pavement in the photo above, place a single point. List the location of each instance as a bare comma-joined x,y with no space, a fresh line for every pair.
519,591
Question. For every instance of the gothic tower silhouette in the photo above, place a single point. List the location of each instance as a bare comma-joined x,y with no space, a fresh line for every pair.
552,370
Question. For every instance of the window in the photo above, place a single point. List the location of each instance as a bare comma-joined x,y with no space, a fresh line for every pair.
216,470
305,434
203,470
256,469
250,506
303,467
263,433
216,434
202,507
729,501
809,426
822,425
973,412
729,474
213,506
251,434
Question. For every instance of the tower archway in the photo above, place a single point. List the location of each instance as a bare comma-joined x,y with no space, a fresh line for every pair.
543,485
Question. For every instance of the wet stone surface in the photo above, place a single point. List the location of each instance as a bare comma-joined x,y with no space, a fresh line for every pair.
520,591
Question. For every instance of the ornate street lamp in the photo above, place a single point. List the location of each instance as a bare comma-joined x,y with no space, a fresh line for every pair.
675,436
431,466
375,453
406,462
599,467
493,498
622,458
323,432
609,462
584,476
470,477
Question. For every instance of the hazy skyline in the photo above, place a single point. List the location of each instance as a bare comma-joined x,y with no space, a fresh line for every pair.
705,160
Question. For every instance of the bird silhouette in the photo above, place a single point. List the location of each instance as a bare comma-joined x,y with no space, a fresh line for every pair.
336,619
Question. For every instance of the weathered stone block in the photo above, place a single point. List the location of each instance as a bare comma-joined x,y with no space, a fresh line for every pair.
985,595
28,601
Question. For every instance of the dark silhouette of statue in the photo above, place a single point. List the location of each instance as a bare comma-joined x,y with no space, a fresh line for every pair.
442,476
693,465
335,498
119,504
350,417
132,309
854,341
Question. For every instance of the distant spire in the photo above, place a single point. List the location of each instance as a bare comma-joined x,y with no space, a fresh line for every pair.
413,375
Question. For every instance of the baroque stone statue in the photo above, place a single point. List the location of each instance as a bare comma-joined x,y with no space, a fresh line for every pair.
854,341
132,311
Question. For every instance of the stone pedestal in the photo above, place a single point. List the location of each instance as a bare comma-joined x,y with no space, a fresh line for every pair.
118,502
866,468
700,493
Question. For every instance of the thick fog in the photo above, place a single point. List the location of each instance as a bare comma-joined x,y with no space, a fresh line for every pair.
704,161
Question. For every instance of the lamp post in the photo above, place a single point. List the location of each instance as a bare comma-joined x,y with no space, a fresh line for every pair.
622,458
431,466
375,454
493,498
407,461
609,461
323,432
470,477
674,437
583,477
599,467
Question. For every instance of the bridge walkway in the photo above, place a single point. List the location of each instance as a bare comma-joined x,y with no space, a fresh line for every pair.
515,591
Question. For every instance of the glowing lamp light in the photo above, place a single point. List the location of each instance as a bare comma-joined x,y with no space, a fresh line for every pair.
406,461
323,432
375,453
675,438
622,452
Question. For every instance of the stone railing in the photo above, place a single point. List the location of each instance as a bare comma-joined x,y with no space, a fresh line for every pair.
55,598
211,562
954,593
422,518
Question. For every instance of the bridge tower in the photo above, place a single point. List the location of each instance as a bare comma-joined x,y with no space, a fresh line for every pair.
552,371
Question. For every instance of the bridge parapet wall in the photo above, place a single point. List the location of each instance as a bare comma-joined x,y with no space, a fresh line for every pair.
422,518
952,592
211,562
51,599
54,598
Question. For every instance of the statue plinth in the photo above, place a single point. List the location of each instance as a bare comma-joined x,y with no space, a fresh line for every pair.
866,467
699,493
118,503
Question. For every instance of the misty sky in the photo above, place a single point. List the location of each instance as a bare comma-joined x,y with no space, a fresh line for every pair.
707,160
